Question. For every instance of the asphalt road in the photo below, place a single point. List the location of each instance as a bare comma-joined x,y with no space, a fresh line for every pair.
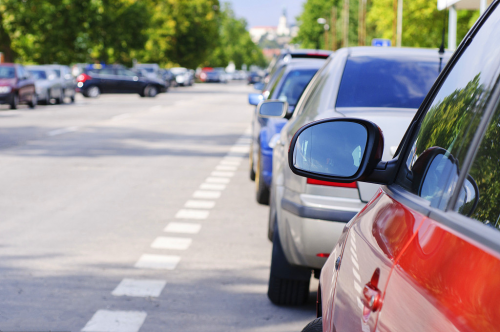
124,213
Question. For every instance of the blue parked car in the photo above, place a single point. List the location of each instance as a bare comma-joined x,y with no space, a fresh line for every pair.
287,84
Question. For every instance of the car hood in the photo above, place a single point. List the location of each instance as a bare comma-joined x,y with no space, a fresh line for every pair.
7,81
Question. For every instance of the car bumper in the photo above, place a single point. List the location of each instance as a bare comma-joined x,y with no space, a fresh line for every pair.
313,227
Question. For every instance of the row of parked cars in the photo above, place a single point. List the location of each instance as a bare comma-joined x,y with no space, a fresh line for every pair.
381,169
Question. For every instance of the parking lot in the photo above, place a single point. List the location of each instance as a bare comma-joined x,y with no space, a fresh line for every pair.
136,212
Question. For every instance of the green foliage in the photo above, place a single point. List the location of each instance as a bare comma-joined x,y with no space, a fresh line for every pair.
235,43
422,22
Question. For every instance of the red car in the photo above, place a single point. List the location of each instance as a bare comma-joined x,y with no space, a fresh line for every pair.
424,254
16,86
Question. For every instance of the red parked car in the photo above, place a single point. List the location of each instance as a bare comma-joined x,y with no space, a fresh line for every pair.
16,86
424,254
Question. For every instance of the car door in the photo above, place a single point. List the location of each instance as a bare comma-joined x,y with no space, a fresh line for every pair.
25,86
128,81
447,278
107,79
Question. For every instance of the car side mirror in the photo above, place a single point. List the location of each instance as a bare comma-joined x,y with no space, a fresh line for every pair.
336,150
255,98
272,109
258,86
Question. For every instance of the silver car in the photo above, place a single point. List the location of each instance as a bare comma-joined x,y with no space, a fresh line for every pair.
48,87
384,85
67,80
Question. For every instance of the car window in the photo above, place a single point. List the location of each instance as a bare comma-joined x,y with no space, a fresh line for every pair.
21,72
38,74
446,131
126,72
7,72
104,71
273,84
394,82
480,193
294,84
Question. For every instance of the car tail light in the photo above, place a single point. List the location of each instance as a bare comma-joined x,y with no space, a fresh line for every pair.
323,255
332,184
83,77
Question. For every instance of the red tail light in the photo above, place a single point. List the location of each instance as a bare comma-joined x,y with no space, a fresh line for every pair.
83,77
323,255
332,184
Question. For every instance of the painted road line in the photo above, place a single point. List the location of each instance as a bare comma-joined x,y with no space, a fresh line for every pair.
240,149
356,275
353,244
193,204
226,168
355,262
360,304
115,321
206,194
157,262
139,288
61,131
174,243
212,186
357,287
182,227
121,116
217,180
231,162
233,158
222,174
192,214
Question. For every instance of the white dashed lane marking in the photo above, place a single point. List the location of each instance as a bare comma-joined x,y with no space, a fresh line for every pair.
192,214
223,174
356,275
217,180
174,243
139,288
355,263
240,149
230,162
157,262
353,253
182,227
193,204
212,186
206,194
115,321
226,168
357,286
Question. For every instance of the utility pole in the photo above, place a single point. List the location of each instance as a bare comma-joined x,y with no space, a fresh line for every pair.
334,28
346,23
361,23
400,23
394,21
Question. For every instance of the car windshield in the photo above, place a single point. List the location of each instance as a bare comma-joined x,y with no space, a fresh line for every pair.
7,72
38,74
58,72
295,83
386,82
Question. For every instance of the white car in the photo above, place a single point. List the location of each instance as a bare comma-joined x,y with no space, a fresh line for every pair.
383,85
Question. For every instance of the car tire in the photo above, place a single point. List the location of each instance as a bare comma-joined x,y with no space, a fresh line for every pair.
314,326
34,101
250,159
262,191
273,216
14,102
60,99
93,91
288,285
72,98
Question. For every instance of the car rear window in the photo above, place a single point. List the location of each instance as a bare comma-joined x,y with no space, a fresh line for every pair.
294,84
386,82
38,74
7,72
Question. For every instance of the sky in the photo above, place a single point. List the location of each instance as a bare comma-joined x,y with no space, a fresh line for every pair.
266,12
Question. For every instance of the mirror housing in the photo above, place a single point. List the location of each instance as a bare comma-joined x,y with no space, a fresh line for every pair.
272,109
255,98
367,157
258,86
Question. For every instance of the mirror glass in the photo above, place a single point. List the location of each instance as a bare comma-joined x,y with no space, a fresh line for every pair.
331,148
272,108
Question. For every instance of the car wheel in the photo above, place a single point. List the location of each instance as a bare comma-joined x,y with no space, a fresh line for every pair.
14,102
250,159
72,98
34,101
288,285
93,91
151,91
314,326
60,99
273,216
262,191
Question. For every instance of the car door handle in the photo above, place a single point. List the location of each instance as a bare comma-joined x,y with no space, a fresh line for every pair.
372,296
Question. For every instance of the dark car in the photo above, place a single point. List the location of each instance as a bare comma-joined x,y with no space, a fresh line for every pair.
216,75
168,77
16,86
254,77
424,254
117,79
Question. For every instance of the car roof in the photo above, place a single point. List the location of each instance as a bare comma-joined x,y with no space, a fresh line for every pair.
396,51
8,64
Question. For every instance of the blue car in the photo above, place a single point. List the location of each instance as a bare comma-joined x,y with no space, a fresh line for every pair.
287,84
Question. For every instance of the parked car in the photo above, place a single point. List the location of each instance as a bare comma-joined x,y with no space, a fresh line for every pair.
67,81
239,75
117,79
254,77
423,255
151,70
168,77
216,75
291,80
16,86
48,86
183,76
386,85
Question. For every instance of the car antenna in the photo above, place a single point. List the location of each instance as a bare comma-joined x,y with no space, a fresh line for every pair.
441,48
